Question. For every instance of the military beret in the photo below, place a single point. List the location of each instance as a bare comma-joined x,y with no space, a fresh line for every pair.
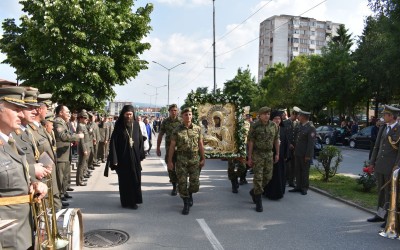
185,110
31,95
14,95
387,109
264,110
172,106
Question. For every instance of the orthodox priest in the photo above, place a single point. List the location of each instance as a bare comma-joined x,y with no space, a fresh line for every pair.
125,156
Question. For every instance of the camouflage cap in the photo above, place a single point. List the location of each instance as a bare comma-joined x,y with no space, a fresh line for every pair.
387,109
264,110
31,95
14,95
172,106
185,110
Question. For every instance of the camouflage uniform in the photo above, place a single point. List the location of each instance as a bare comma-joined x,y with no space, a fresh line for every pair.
263,137
167,128
187,158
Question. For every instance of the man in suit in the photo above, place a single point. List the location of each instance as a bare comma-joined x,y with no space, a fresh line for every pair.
303,152
15,180
385,158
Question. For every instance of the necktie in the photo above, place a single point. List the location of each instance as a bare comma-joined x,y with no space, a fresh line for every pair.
11,142
388,129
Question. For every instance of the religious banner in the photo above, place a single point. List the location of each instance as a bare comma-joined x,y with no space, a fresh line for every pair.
222,123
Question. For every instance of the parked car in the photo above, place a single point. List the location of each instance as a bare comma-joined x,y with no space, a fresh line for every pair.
317,145
362,139
331,135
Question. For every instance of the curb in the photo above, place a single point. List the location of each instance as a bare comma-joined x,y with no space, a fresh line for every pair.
320,191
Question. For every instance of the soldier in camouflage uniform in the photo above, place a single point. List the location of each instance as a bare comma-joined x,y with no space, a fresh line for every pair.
167,127
188,140
239,164
263,136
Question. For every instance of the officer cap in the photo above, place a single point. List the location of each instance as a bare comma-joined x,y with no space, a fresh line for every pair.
49,116
45,99
264,110
387,109
83,114
14,95
90,114
296,109
172,106
302,112
185,110
31,97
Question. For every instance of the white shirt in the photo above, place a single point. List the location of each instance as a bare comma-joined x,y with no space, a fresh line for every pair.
4,136
390,126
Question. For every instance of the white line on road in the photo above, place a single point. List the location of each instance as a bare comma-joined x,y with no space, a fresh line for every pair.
164,165
210,235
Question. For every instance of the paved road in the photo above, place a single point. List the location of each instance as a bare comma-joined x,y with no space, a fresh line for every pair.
220,219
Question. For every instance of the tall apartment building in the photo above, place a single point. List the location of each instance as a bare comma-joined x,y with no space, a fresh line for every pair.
284,37
114,108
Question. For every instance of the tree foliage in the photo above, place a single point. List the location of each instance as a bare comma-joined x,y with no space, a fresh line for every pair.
77,49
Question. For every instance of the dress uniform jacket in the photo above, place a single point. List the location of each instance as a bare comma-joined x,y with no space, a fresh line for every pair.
63,140
385,155
43,141
14,181
104,131
305,141
84,143
291,130
24,141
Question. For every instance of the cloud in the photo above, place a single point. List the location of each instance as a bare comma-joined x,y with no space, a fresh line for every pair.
185,2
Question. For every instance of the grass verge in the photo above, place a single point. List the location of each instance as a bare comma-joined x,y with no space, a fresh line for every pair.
346,188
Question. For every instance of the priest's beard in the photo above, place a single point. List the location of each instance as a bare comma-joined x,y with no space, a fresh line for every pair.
128,121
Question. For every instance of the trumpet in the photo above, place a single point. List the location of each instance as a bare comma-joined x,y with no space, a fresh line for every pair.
47,235
392,230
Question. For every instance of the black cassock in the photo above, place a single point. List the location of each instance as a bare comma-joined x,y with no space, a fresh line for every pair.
275,189
126,161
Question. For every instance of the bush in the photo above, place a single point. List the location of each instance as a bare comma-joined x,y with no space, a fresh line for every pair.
325,166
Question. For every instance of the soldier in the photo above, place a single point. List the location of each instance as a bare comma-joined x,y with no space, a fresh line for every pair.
167,127
385,158
83,149
291,126
263,136
104,137
43,144
94,138
64,138
16,182
303,152
190,159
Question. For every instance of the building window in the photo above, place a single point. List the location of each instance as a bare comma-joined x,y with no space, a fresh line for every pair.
303,41
295,49
303,23
313,33
295,40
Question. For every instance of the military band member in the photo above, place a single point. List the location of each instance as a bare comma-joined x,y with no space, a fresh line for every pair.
385,158
15,181
167,127
64,138
291,126
263,136
83,149
303,152
188,140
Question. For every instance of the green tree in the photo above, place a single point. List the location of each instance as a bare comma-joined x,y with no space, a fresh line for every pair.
242,84
77,49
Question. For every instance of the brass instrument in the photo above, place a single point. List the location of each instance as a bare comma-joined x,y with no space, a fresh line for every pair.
46,232
392,230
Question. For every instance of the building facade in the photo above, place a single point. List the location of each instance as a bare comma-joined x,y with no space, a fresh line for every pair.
114,108
284,37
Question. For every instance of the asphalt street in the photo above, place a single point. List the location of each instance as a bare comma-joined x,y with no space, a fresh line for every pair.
220,219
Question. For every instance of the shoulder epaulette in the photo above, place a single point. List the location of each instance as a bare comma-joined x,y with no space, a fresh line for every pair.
18,131
33,126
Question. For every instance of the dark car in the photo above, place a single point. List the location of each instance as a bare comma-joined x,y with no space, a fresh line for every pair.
331,135
317,145
362,139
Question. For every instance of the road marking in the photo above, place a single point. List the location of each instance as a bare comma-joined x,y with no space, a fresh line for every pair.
210,235
164,165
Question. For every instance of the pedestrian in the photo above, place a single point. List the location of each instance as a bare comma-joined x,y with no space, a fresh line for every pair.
263,136
188,140
126,154
149,131
275,189
167,127
385,158
83,149
291,127
303,152
16,182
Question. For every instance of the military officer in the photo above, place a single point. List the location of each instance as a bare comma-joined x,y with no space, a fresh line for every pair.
385,158
103,139
15,181
83,149
263,136
93,134
188,140
96,139
167,127
64,138
291,126
303,152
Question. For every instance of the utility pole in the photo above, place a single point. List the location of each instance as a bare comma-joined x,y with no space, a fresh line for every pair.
215,74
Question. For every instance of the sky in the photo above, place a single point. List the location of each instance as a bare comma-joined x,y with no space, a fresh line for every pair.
182,31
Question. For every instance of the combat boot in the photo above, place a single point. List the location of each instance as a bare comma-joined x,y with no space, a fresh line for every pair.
186,207
259,207
174,192
190,199
252,195
234,186
243,181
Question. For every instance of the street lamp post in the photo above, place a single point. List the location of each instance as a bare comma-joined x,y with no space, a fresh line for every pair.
156,87
150,98
169,69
